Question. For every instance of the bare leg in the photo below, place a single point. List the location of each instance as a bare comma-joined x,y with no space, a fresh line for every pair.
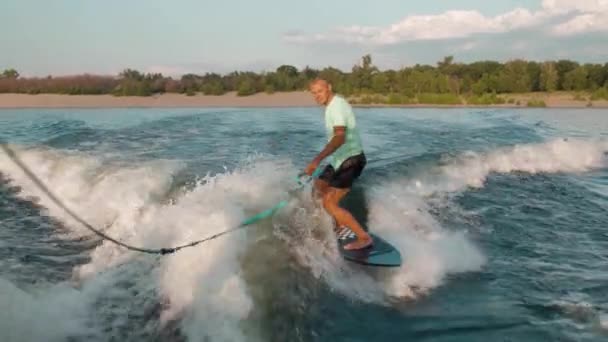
320,188
331,201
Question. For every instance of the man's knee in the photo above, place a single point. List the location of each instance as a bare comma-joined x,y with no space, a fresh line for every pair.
332,197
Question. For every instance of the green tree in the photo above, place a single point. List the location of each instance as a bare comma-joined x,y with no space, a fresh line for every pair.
597,75
380,83
449,75
564,66
362,74
476,70
548,76
466,84
391,79
444,66
305,76
132,75
576,79
285,78
247,84
190,84
514,77
534,70
445,78
10,73
403,84
486,84
288,70
246,87
336,78
212,84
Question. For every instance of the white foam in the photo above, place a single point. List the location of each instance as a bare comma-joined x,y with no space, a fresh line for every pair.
429,251
399,208
101,193
311,238
50,314
603,321
583,313
202,286
471,169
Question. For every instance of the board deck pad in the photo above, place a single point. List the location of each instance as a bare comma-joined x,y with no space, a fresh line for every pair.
381,253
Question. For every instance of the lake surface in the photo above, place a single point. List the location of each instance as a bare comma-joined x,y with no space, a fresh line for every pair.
500,215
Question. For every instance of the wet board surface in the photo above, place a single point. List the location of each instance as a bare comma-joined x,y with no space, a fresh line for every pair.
381,253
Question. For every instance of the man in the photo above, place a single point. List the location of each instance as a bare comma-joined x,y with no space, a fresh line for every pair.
347,160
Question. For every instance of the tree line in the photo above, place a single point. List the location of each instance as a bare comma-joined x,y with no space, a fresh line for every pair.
446,78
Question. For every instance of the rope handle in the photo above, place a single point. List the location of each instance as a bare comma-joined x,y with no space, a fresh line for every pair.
308,179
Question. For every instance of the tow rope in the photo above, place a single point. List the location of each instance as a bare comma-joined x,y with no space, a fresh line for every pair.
162,251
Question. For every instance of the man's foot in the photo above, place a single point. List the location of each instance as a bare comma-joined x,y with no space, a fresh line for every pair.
361,243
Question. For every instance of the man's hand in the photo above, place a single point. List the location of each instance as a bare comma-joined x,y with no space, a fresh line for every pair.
332,145
311,167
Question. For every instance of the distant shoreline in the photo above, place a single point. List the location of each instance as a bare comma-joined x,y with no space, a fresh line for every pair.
279,99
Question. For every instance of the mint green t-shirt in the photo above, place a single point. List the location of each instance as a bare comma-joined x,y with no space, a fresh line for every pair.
340,113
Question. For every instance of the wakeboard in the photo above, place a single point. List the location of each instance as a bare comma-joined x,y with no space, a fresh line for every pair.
381,253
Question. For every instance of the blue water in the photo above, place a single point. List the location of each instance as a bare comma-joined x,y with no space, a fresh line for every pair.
500,216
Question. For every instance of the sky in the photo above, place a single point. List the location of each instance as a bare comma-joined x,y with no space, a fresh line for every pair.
65,37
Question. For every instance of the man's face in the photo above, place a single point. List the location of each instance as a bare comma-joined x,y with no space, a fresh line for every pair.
321,92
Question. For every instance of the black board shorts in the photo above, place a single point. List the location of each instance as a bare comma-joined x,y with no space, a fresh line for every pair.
346,174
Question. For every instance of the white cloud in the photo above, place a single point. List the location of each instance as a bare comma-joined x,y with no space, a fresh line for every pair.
451,24
591,22
566,6
589,16
468,46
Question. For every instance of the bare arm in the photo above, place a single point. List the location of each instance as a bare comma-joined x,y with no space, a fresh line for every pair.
338,140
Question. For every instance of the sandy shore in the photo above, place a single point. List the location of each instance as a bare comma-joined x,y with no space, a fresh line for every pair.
287,99
291,99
